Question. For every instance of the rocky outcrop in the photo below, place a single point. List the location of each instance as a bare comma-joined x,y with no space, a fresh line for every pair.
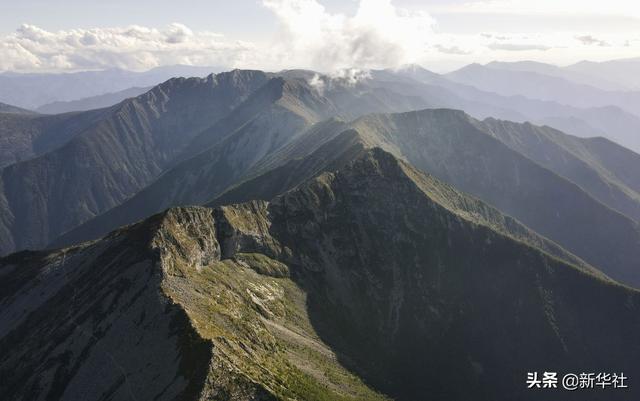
185,305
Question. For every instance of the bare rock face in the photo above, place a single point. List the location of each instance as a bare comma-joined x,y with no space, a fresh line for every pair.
245,228
187,236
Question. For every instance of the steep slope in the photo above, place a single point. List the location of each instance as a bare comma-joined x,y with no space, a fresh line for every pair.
590,163
349,146
456,149
167,309
279,122
328,156
90,103
113,158
564,188
437,308
370,267
270,108
272,117
24,136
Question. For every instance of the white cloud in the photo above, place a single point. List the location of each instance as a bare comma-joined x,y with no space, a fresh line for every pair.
31,48
377,35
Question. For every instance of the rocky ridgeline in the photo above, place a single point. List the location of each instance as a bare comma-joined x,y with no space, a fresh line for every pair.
369,274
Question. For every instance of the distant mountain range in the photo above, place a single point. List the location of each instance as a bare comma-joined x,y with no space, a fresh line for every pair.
253,122
251,235
34,90
614,75
90,103
608,121
533,85
7,108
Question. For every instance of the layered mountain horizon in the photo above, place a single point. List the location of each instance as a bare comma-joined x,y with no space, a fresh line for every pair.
391,234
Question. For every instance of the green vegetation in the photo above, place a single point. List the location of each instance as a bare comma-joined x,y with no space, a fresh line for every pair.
258,322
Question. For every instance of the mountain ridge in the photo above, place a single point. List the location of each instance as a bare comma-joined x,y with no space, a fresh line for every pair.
358,318
113,157
447,144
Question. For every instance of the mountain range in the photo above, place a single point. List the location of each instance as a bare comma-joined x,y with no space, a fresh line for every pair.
613,75
533,85
368,282
92,102
33,90
250,235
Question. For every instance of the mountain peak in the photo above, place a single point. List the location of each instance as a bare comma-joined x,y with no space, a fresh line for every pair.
374,264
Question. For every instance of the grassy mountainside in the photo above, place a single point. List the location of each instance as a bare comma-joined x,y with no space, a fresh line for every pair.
372,274
165,310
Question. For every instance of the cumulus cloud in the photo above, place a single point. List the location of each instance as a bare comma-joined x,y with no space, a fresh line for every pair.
134,47
377,35
349,77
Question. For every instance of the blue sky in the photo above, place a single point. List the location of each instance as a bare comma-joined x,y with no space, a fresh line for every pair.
443,34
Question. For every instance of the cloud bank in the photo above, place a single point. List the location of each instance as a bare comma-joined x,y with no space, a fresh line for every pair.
377,35
31,48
